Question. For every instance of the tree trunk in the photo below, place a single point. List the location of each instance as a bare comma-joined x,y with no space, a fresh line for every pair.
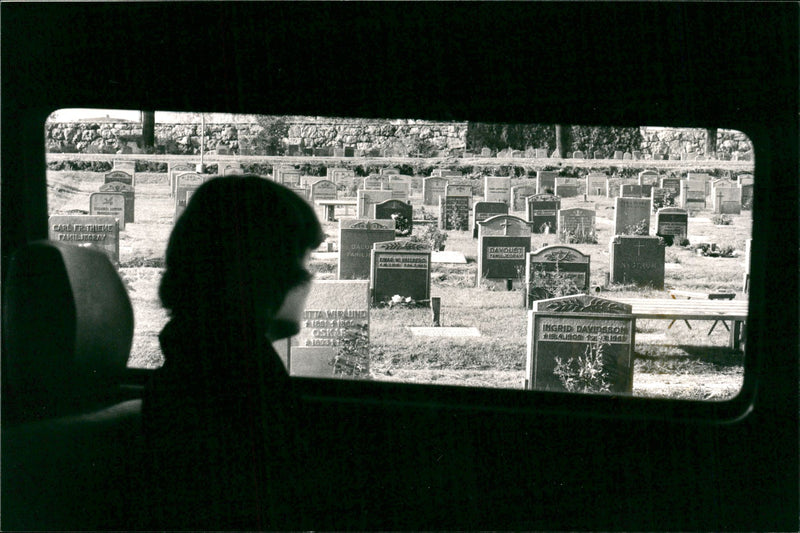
711,142
563,139
148,129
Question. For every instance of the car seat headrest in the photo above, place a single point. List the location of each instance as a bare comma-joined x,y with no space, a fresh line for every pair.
67,328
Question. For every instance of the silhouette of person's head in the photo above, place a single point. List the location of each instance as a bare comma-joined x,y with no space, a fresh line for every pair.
236,255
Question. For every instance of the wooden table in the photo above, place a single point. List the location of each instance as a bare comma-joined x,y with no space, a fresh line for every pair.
673,309
331,205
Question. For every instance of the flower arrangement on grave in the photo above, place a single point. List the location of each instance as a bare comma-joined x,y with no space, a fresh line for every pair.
433,236
579,235
584,374
545,284
402,226
637,229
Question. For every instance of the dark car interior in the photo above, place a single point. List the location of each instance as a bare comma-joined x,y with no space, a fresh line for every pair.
408,456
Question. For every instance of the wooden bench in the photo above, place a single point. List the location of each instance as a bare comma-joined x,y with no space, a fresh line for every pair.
331,205
703,296
674,309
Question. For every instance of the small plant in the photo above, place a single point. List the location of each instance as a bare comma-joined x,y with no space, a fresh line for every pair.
579,235
684,242
402,302
584,374
457,220
546,284
642,228
352,357
433,236
425,215
722,220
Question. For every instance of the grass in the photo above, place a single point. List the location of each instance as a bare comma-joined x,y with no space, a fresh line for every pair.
675,362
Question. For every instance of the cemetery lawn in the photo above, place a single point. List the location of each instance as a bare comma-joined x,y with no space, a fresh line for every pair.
675,362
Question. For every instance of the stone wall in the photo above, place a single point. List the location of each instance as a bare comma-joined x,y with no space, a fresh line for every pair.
399,136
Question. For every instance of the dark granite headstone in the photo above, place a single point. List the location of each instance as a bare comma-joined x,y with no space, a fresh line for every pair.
746,185
566,187
129,195
118,176
631,216
108,204
356,237
546,182
432,189
399,211
504,242
672,222
454,213
570,334
483,210
544,266
101,232
400,268
576,221
519,195
637,260
673,184
542,211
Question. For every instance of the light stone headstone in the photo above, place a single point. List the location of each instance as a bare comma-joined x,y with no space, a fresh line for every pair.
333,341
638,260
323,190
596,184
118,176
367,199
101,232
563,331
566,187
286,175
401,189
174,170
372,183
648,177
129,195
519,194
693,195
108,204
338,175
230,169
432,189
726,198
356,237
496,189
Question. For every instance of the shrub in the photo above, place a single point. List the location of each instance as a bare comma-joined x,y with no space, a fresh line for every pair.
433,236
638,229
584,374
352,357
579,235
546,284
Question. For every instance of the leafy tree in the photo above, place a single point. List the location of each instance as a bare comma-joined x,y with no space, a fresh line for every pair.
274,129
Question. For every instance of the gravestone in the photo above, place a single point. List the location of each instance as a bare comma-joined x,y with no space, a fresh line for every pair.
746,279
323,190
638,260
661,198
596,184
459,190
578,155
629,190
627,156
338,152
125,165
101,232
503,244
110,204
128,193
349,151
185,185
301,191
637,155
399,211
566,187
174,170
400,268
356,237
373,183
542,211
726,198
672,222
486,152
576,222
618,154
334,338
286,175
118,176
631,216
599,155
546,182
545,266
519,195
446,173
432,189
541,153
338,175
230,169
454,213
673,185
401,189
389,171
367,199
483,210
496,189
746,185
702,177
568,334
222,150
693,195
648,177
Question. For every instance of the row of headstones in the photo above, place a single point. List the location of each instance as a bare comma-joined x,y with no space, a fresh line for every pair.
635,155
